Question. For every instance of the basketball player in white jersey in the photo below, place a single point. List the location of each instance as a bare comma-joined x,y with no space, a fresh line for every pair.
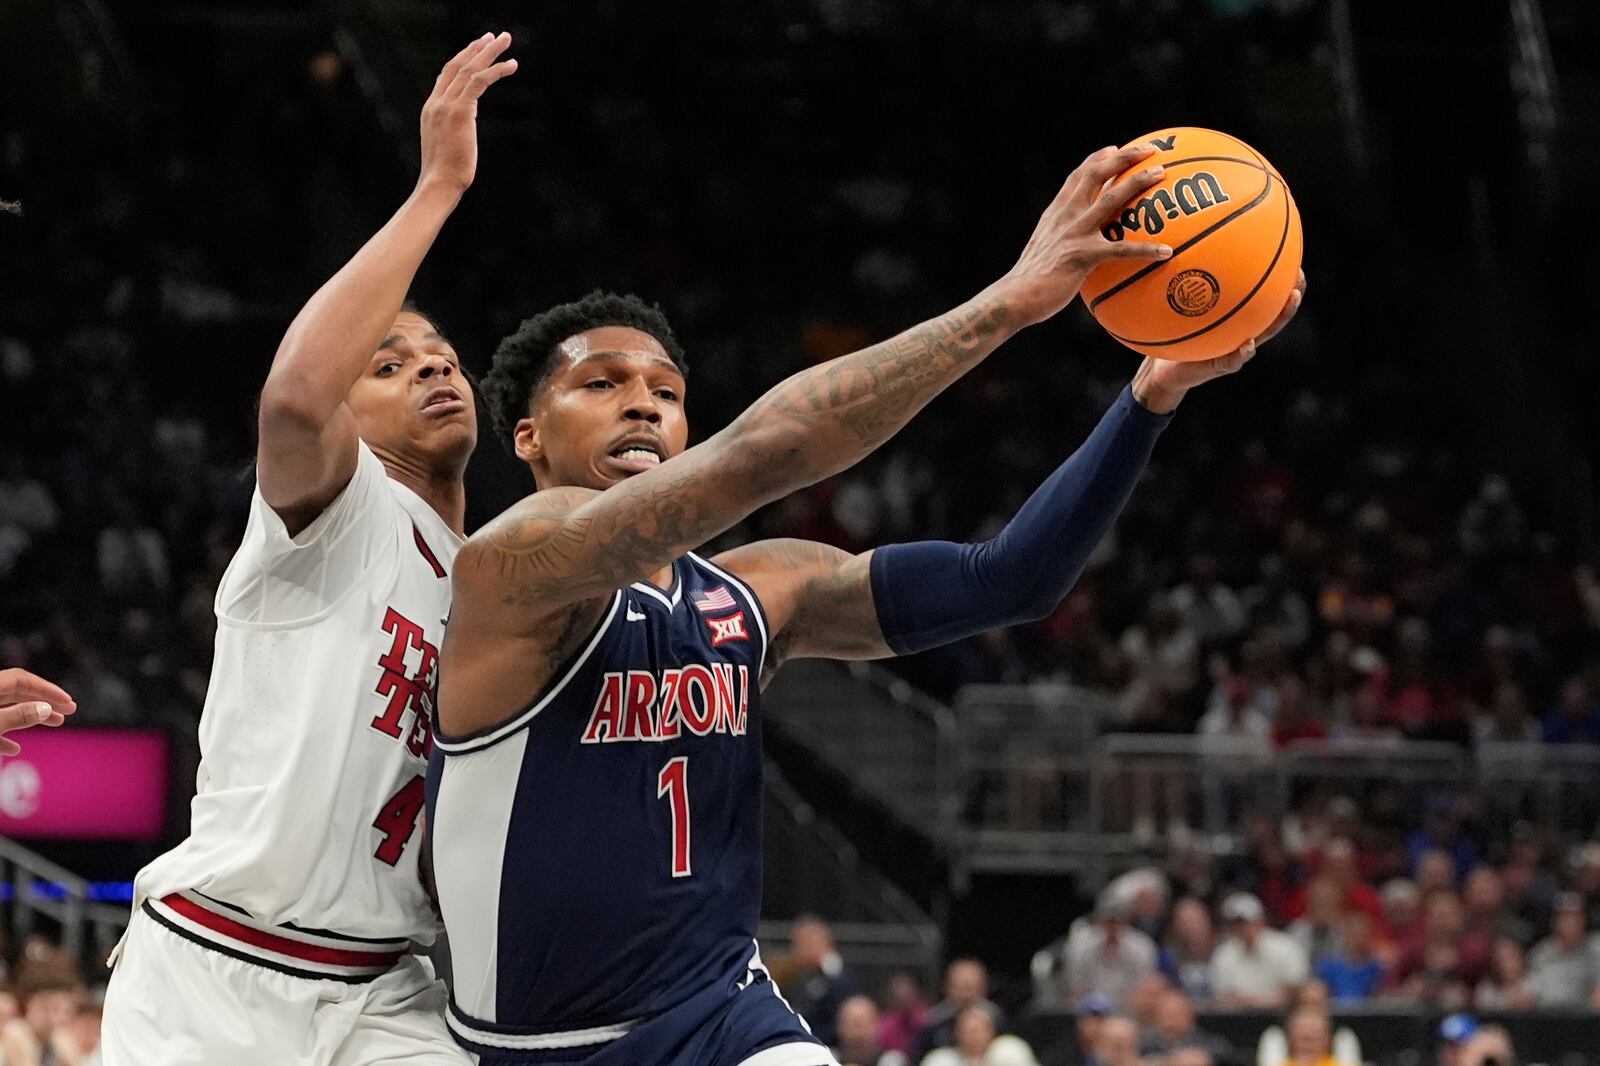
278,931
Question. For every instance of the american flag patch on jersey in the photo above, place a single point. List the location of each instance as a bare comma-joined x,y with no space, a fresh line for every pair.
717,599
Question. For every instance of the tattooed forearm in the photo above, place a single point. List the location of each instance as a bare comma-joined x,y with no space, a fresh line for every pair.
564,545
864,397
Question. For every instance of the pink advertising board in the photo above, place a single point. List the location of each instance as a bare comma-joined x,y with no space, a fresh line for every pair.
74,783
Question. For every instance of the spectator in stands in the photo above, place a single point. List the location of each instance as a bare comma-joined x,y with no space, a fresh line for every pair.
977,1042
1490,1045
1353,973
1505,986
1485,921
1585,866
1162,656
1271,872
1529,887
966,984
1089,1017
1575,719
1143,1001
1185,958
1443,830
1508,719
1319,930
1340,867
1108,956
132,556
80,1045
1175,1029
1118,1044
1563,969
1435,872
1209,609
1255,966
46,1032
857,1042
1310,1038
1454,1031
1429,970
1295,719
905,1015
1143,894
1402,906
822,983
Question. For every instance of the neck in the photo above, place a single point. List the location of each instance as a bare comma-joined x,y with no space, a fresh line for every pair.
443,490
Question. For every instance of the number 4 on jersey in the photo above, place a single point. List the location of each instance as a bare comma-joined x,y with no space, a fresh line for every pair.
673,783
397,820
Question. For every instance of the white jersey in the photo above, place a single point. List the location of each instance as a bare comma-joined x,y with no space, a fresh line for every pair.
318,720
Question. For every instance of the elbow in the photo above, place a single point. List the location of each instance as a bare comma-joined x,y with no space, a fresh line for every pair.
1041,598
283,407
771,459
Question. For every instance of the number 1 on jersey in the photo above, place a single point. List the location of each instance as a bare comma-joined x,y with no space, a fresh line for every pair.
673,783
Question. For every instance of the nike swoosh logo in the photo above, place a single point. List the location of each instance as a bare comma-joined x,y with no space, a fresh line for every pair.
635,616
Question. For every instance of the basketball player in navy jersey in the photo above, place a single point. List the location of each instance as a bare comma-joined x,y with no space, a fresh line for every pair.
595,789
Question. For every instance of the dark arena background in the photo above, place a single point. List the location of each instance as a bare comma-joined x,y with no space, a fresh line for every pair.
1340,656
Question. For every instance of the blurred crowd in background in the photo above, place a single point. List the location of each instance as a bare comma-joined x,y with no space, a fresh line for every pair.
1315,552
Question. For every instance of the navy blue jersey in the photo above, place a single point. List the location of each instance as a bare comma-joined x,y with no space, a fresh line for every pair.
598,856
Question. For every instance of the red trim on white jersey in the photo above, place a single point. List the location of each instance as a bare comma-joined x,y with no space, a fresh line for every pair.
285,948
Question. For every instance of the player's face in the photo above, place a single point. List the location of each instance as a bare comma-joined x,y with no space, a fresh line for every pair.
413,402
612,408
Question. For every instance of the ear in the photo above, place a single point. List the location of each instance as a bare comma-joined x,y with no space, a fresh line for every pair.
526,442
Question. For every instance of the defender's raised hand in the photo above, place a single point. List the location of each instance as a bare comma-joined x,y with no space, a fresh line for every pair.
1067,244
1160,384
450,117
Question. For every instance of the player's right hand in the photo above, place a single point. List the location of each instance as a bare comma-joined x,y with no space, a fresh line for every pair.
28,700
1067,244
450,117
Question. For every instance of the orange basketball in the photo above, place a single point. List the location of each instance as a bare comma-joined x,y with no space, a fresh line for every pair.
1235,236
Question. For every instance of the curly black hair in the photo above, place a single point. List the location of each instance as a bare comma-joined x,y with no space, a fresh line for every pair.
525,360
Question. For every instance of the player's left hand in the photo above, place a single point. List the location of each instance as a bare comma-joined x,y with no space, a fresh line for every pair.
1161,384
28,700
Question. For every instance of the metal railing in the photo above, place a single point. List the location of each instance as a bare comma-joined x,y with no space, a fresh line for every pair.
1028,778
894,743
83,922
812,867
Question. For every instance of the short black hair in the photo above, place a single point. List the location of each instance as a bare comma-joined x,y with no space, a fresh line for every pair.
410,307
524,361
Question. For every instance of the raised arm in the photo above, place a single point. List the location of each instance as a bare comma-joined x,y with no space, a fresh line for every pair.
561,547
822,602
307,450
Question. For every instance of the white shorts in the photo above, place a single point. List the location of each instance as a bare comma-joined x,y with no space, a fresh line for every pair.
173,1002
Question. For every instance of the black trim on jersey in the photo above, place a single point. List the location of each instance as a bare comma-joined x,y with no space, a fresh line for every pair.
586,648
256,960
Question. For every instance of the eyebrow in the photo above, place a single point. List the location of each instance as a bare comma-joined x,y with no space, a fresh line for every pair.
393,338
658,360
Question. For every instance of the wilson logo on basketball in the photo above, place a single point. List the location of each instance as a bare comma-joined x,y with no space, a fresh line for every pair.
1189,196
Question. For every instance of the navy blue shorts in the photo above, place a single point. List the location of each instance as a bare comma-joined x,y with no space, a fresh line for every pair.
722,1026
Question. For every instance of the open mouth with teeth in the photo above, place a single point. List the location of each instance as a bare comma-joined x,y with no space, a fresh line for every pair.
634,458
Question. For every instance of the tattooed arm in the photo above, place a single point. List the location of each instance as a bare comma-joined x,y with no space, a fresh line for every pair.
554,550
822,602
